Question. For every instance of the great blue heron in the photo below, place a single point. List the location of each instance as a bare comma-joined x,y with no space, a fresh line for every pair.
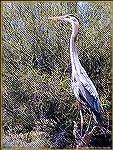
83,87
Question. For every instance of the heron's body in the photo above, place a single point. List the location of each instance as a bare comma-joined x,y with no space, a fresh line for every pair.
82,86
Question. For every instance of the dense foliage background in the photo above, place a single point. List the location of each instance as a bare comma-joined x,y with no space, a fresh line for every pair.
36,67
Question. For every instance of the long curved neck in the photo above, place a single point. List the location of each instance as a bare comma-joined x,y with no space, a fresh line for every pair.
73,49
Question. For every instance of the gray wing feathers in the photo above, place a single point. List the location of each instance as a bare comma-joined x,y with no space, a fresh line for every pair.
90,99
82,84
90,90
88,84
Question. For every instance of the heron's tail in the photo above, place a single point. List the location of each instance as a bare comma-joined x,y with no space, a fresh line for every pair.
98,111
99,116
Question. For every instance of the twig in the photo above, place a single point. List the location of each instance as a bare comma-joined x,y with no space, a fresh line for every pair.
76,133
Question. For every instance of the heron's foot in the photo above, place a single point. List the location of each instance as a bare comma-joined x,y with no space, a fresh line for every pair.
86,138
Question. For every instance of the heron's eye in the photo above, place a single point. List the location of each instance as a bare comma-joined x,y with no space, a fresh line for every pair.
67,17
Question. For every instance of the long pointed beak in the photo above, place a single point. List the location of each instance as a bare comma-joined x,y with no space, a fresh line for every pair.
56,18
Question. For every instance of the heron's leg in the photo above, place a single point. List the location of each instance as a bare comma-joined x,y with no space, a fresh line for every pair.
81,117
89,123
82,121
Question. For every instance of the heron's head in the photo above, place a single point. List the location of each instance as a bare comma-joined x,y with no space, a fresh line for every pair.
73,20
68,18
